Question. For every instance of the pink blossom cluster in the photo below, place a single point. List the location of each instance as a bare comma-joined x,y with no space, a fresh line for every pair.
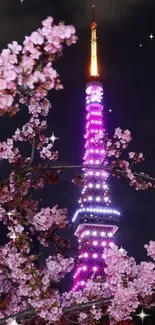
121,167
13,275
56,267
2,213
47,217
26,76
30,130
34,130
151,249
8,152
145,282
95,289
124,303
120,141
46,152
15,231
78,181
27,71
94,314
136,157
7,193
129,283
126,284
48,308
39,109
24,283
123,136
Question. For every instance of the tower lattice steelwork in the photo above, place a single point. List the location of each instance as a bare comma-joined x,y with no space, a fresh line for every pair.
95,220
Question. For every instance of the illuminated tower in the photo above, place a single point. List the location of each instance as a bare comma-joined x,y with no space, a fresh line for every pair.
96,220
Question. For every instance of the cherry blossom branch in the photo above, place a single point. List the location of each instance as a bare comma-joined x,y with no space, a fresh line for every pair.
74,322
24,314
67,310
70,320
87,305
124,173
32,152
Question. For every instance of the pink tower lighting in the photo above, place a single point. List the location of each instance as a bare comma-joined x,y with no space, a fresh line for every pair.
96,220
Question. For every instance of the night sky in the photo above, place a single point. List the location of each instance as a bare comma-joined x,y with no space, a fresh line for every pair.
128,74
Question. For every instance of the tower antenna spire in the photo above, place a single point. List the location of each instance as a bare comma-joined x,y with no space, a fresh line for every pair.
93,7
94,63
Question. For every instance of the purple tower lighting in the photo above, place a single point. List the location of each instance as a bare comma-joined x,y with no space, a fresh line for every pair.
95,220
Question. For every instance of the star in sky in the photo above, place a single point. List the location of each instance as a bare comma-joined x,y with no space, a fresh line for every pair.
140,45
110,110
53,138
142,315
151,36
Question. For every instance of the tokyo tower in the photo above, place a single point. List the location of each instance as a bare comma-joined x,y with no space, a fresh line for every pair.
96,220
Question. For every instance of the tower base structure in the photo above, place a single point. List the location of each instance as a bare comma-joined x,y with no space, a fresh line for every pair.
95,232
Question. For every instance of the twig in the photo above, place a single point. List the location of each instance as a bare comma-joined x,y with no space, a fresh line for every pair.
32,152
70,320
1,164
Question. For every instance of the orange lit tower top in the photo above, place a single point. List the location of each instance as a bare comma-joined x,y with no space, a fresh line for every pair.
94,63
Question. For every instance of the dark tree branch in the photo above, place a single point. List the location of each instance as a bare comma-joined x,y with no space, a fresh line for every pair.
79,307
70,320
109,169
119,172
87,305
25,314
32,152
